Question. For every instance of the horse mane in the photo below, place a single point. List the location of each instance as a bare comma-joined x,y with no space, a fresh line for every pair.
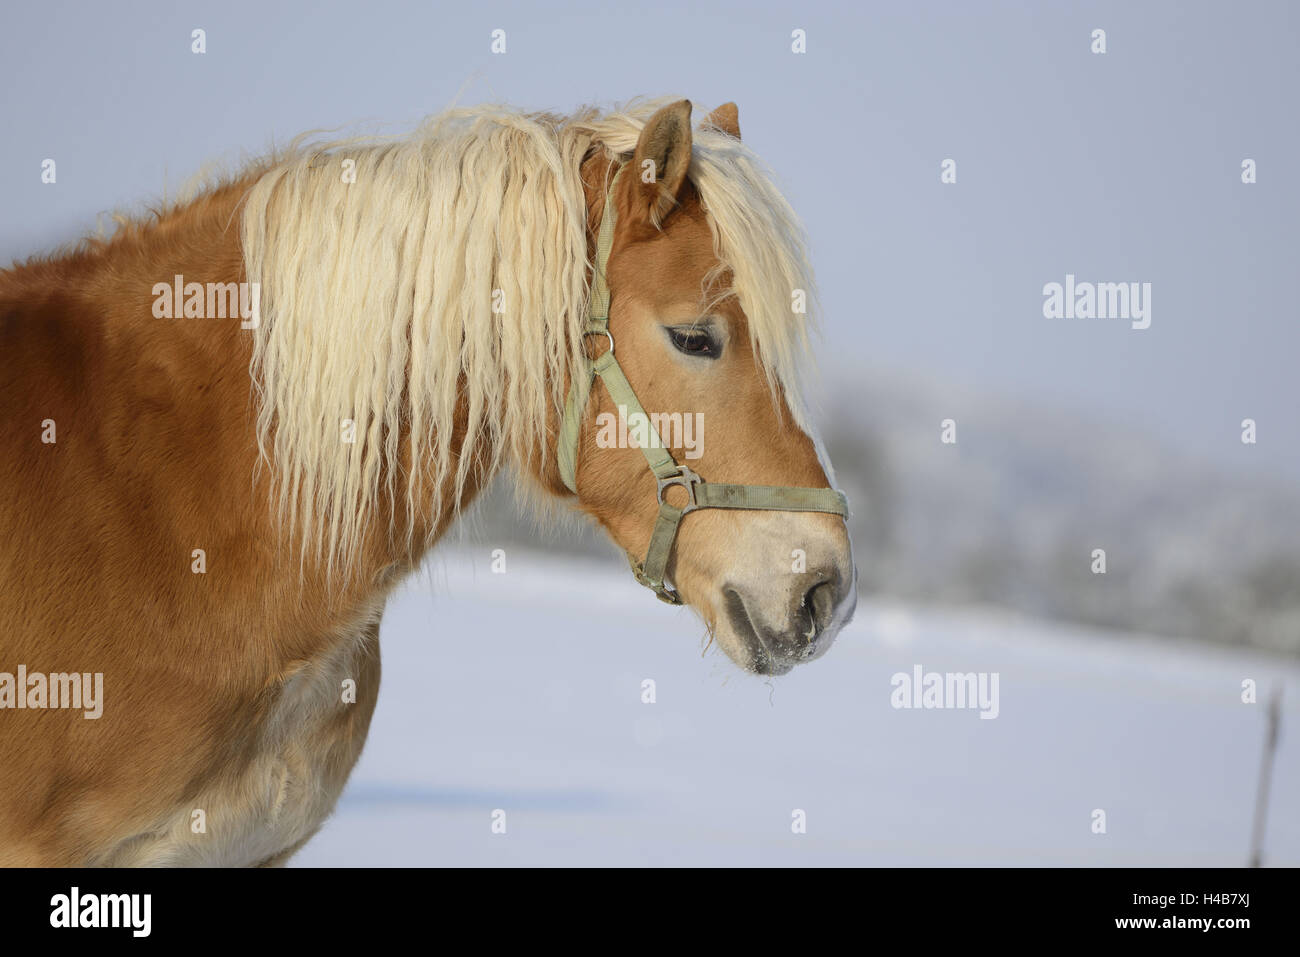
402,276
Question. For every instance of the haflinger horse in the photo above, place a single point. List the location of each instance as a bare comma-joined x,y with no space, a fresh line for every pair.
205,506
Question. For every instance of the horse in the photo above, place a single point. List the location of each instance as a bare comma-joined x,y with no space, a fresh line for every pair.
232,426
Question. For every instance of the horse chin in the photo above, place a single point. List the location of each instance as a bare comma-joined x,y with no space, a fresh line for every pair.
736,635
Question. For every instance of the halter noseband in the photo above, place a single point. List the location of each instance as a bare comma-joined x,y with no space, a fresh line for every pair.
650,572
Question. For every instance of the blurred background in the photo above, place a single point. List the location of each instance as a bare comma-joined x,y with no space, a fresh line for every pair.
1121,691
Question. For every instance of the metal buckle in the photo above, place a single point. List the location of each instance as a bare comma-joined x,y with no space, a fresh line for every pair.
687,480
661,590
601,332
665,595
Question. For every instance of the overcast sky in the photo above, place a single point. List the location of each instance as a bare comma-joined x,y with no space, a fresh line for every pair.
1115,167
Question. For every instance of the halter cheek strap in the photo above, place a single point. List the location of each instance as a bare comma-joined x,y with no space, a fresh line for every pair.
700,494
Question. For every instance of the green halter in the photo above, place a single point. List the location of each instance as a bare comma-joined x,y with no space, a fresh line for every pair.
667,472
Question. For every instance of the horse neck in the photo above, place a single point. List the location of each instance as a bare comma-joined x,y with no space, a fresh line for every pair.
161,412
596,171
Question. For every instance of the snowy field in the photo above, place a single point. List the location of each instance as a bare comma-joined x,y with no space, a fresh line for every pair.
522,692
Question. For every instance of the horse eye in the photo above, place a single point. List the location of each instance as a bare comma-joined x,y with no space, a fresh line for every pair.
694,341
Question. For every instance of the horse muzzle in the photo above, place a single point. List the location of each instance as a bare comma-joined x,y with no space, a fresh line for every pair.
770,634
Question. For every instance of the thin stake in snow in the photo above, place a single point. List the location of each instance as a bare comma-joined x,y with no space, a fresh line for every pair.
1266,775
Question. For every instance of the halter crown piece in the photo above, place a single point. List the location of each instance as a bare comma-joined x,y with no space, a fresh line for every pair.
701,494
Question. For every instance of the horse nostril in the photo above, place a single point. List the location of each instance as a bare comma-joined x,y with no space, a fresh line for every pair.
819,606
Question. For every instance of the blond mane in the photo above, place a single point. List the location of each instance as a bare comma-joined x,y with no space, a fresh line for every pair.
400,275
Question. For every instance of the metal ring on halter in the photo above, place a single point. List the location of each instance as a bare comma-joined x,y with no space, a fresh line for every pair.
687,480
602,332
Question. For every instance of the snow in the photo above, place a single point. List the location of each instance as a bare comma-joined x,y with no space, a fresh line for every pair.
522,692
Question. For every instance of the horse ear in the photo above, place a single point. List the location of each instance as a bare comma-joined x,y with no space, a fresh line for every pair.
725,118
662,157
